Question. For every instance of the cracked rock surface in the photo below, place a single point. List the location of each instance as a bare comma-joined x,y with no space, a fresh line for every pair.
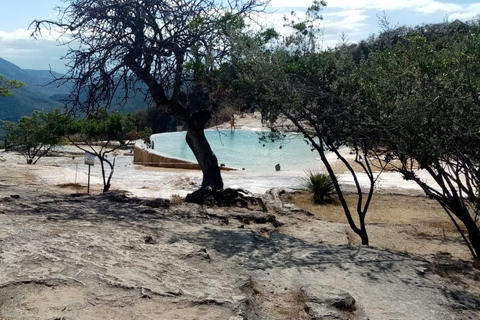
115,257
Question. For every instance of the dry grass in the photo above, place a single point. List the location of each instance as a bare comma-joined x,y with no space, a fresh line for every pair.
412,224
280,304
377,164
175,200
74,186
384,208
293,306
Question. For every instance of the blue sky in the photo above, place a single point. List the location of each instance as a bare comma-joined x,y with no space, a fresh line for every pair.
356,18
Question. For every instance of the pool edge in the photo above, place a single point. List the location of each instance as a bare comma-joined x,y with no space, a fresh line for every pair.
146,158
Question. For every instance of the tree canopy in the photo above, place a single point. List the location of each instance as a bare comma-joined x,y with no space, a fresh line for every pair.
292,79
6,86
423,92
102,134
35,136
406,100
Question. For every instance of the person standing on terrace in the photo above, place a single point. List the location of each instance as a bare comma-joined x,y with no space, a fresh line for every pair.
232,123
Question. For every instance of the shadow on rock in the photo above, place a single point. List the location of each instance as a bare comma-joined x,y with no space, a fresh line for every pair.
282,251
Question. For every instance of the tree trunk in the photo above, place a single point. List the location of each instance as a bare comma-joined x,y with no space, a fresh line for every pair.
102,165
106,185
363,231
207,160
453,206
472,227
474,237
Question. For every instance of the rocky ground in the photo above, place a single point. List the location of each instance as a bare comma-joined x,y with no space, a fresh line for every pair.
130,254
77,256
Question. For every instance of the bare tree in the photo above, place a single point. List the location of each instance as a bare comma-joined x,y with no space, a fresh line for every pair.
102,134
170,48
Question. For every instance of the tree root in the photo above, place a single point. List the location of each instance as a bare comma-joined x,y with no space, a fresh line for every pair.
226,198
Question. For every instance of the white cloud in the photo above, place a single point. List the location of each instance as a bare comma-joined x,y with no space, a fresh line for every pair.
29,53
474,7
463,16
277,21
353,17
356,17
470,12
49,35
290,3
350,21
434,6
15,35
334,24
423,6
20,48
271,20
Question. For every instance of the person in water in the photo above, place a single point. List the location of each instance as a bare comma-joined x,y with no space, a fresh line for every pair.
232,123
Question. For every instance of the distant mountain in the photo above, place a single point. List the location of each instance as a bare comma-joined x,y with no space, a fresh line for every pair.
37,95
40,93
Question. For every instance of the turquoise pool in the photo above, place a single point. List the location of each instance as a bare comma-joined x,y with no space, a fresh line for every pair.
242,149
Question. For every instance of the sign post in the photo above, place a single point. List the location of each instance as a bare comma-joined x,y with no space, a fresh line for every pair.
90,161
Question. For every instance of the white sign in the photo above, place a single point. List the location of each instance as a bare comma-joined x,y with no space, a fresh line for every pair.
89,158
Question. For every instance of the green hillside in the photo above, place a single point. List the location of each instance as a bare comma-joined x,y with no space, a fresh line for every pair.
40,93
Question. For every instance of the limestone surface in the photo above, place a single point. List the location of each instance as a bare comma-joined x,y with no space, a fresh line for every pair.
116,257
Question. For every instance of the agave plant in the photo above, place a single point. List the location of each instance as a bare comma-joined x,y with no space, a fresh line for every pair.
320,184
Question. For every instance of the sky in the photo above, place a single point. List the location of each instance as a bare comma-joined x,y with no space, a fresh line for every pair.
356,19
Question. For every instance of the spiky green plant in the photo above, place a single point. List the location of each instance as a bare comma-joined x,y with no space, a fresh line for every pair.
320,184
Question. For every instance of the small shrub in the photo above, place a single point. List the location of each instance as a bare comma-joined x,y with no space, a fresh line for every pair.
132,135
75,186
77,137
320,184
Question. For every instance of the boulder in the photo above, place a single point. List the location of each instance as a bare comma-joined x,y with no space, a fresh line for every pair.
329,297
320,312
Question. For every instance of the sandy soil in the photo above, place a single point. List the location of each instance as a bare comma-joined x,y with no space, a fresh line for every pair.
413,224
